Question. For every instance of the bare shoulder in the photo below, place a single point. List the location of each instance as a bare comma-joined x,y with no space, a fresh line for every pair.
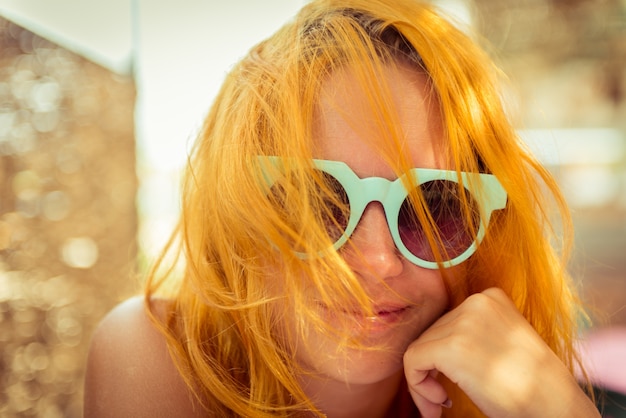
129,370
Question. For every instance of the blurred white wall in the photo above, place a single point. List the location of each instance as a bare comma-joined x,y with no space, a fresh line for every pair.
183,51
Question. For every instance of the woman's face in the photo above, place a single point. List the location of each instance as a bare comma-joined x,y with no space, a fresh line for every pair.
407,298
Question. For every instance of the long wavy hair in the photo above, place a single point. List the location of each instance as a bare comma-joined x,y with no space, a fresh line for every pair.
234,277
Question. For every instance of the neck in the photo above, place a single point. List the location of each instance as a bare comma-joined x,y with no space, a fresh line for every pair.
339,399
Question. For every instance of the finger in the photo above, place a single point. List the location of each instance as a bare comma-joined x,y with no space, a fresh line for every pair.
427,409
427,386
427,393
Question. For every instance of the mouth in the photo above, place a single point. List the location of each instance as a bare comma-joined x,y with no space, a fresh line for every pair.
385,317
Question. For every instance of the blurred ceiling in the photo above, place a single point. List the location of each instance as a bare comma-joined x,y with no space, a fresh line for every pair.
100,31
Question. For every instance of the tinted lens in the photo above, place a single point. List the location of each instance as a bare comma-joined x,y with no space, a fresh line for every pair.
335,213
456,233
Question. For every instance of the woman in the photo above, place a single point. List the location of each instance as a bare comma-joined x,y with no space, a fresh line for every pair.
363,236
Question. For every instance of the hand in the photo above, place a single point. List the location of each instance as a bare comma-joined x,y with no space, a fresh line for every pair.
494,355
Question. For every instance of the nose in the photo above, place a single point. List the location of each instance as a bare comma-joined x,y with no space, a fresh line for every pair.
371,251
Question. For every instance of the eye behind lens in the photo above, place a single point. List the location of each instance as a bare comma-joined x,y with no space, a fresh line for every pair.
335,212
455,221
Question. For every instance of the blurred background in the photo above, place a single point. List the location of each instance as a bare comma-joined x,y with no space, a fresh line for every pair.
100,101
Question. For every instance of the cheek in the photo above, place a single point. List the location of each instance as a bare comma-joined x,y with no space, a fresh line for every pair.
454,281
431,291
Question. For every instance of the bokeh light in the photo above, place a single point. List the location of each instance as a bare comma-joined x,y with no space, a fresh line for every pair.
67,217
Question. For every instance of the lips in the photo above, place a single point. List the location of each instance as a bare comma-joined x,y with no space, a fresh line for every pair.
390,314
385,317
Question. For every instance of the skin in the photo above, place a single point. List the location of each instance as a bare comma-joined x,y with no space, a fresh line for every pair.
348,379
130,372
484,345
511,371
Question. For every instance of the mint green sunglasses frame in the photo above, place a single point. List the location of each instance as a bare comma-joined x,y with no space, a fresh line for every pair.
391,194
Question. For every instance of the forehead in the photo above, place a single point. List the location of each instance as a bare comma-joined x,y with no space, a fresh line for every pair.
367,122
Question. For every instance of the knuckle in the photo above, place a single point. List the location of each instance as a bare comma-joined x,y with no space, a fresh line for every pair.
475,304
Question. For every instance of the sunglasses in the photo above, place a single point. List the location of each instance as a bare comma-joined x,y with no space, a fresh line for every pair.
458,216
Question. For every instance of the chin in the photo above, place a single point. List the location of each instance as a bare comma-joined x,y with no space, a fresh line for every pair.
355,366
375,352
367,368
